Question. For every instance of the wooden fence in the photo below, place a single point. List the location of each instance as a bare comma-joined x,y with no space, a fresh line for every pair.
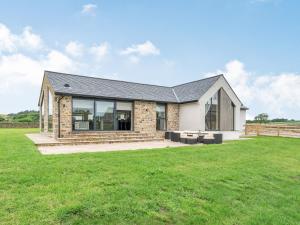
272,130
19,125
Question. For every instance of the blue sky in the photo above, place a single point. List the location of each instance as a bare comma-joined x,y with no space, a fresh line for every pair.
255,43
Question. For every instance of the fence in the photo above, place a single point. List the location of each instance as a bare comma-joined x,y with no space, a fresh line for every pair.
273,130
19,125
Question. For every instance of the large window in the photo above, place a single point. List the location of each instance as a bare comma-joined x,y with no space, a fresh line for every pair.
160,116
123,115
104,115
212,113
83,114
101,115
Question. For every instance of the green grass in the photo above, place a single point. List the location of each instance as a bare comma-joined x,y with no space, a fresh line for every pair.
244,182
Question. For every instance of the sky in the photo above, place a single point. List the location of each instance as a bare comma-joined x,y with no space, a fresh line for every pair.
254,43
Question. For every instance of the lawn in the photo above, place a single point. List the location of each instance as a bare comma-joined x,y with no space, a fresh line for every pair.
243,182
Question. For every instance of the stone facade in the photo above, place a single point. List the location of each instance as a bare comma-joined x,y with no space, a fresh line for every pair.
46,89
65,103
172,116
144,115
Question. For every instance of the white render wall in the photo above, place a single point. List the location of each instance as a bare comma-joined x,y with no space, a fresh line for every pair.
192,115
189,116
242,119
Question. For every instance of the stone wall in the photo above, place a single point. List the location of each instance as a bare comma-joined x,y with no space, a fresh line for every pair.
65,116
172,116
144,116
46,88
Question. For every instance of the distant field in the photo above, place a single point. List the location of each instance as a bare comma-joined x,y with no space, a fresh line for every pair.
255,182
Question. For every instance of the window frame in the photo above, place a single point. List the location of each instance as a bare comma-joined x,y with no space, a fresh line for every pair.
94,113
165,118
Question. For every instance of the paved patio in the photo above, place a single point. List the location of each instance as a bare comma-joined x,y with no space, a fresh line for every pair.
68,149
41,138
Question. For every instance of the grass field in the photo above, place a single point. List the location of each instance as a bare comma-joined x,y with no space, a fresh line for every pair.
244,182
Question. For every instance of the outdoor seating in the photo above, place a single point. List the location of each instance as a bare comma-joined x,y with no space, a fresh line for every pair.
218,138
175,136
193,137
200,138
168,135
209,140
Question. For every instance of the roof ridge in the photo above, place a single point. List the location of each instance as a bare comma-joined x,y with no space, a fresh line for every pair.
93,77
219,75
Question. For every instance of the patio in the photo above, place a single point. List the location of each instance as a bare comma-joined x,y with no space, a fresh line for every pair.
45,144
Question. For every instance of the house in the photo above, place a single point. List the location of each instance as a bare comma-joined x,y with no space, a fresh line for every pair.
79,104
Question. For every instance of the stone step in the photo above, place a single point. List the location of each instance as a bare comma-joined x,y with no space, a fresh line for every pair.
112,141
110,135
104,132
100,138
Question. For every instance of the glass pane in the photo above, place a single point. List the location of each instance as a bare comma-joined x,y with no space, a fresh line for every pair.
123,120
83,114
160,116
127,106
104,115
212,113
123,115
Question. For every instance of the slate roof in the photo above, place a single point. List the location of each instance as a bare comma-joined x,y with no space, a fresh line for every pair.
115,89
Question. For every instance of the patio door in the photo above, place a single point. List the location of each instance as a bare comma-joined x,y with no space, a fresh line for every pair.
123,120
123,116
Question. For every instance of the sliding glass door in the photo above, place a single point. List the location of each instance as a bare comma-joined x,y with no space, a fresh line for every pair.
104,118
101,115
123,115
83,114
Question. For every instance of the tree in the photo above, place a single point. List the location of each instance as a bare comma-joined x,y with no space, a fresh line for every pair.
1,119
262,117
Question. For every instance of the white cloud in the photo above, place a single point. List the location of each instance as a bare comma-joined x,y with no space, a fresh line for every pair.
57,61
18,69
100,51
278,95
27,40
7,40
144,49
21,70
89,9
30,40
74,48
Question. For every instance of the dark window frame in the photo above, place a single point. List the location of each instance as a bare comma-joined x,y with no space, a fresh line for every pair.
165,118
94,113
210,113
